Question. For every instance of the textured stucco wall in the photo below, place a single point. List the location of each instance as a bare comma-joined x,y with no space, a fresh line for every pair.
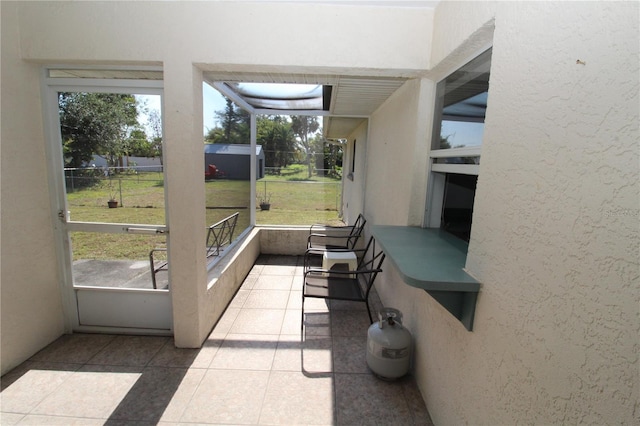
31,304
396,157
353,189
555,227
555,236
231,35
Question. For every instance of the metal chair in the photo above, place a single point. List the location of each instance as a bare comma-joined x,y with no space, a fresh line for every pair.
219,235
326,237
343,284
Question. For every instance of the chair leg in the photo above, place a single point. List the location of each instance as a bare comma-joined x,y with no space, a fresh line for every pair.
369,312
302,318
153,270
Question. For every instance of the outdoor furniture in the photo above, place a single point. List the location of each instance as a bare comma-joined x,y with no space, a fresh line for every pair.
219,235
344,285
328,237
332,258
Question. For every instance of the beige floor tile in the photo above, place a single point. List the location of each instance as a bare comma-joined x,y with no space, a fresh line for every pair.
11,418
278,270
258,321
228,397
207,351
311,355
154,392
129,350
273,282
363,396
30,383
349,323
183,395
291,323
350,354
94,391
295,300
225,322
250,280
57,420
416,403
316,323
267,299
315,304
346,305
295,399
170,356
297,282
74,348
246,352
239,299
256,269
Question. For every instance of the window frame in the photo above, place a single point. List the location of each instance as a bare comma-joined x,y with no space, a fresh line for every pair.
437,172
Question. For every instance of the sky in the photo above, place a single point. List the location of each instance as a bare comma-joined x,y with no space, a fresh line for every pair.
460,133
212,101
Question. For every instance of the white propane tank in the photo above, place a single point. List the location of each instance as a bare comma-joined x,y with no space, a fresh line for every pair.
388,345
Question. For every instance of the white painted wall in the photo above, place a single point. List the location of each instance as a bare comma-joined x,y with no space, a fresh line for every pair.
396,158
353,189
231,35
185,38
555,239
31,305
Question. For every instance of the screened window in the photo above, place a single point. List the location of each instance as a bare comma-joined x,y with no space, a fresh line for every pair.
461,103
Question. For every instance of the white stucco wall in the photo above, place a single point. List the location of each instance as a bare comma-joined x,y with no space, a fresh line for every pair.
31,305
555,239
184,38
396,157
231,35
353,188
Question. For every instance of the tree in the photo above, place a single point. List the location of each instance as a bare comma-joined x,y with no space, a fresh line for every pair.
276,137
332,158
236,126
303,127
155,124
95,123
137,144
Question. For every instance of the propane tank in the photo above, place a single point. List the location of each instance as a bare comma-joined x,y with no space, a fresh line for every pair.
388,345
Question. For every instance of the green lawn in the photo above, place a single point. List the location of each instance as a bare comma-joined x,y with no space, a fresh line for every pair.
295,200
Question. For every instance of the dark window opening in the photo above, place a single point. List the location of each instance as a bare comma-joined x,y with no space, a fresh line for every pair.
457,207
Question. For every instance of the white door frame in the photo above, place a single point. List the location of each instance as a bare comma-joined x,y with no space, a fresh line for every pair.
116,310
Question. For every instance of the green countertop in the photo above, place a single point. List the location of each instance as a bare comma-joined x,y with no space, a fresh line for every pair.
427,258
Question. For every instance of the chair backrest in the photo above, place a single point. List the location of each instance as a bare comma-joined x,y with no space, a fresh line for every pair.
356,231
371,261
221,234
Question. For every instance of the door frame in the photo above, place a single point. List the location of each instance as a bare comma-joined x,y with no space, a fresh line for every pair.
149,301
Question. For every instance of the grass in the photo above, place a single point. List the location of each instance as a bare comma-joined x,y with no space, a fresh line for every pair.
295,200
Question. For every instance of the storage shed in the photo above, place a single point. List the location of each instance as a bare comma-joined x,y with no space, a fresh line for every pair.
232,161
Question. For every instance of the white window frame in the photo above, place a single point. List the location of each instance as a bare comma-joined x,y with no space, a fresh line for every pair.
437,171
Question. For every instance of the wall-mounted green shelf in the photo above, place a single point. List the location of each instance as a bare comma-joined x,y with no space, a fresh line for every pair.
432,260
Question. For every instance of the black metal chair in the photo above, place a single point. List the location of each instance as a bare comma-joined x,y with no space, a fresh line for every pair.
343,284
219,235
326,237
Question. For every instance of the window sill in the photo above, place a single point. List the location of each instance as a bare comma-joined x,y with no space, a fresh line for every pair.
432,260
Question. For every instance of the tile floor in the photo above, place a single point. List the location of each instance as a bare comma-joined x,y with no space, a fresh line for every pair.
255,368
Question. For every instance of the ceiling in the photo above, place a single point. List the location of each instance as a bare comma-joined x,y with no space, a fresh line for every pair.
353,98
